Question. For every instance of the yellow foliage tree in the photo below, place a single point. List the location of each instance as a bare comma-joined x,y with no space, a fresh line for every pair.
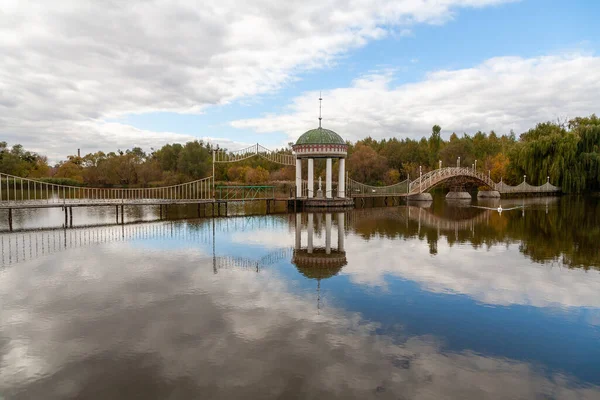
70,170
256,175
499,166
391,176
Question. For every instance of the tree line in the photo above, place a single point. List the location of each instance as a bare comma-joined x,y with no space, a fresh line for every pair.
566,152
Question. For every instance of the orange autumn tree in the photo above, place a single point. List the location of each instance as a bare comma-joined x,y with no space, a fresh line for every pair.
366,165
498,166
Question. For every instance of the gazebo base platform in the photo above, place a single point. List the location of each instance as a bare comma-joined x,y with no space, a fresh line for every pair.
321,203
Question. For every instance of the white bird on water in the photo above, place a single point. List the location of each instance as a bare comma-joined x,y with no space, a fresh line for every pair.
499,209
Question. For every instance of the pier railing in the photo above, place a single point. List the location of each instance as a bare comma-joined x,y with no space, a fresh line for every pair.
16,190
244,192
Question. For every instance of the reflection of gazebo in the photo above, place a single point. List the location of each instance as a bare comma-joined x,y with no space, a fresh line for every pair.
310,228
319,262
321,143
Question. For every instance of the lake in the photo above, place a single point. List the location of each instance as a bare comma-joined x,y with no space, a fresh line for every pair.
420,301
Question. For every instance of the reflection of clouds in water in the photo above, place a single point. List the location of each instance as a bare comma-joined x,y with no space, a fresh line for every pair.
115,321
500,275
265,238
54,217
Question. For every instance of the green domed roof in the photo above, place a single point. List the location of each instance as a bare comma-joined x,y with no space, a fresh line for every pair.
320,136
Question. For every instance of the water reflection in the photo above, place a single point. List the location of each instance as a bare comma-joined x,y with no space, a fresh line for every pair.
27,245
225,308
319,262
548,231
314,261
44,218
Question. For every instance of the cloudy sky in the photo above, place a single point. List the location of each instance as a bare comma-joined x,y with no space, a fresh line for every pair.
112,74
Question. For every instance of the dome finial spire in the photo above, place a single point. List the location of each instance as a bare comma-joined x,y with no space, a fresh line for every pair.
320,101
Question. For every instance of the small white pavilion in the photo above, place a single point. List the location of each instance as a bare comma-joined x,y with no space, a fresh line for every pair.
321,143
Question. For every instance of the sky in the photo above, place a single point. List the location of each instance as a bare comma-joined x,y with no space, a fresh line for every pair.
108,75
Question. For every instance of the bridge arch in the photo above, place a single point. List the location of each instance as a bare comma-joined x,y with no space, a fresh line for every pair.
440,176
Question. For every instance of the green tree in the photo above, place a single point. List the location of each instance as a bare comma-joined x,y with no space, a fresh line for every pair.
549,150
194,160
435,142
17,161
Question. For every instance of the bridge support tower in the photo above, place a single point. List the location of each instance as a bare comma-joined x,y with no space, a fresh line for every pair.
488,194
458,192
421,197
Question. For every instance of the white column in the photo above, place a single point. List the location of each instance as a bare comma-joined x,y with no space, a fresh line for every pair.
328,233
298,177
311,229
298,231
340,222
341,178
328,185
311,178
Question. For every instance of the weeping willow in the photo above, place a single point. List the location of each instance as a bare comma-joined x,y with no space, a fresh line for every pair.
569,156
589,149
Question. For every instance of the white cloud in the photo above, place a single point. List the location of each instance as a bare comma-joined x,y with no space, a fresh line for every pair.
63,138
502,93
68,66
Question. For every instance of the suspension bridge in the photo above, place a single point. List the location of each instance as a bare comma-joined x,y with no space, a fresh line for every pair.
20,192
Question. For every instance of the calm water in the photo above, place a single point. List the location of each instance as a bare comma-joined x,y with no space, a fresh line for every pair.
446,301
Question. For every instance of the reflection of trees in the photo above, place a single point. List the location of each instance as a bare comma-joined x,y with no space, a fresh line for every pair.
568,232
572,232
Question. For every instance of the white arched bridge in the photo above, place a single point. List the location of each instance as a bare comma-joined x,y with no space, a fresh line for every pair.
20,192
441,176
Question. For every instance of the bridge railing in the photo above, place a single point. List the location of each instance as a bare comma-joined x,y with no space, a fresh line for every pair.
16,190
526,187
276,157
433,177
223,156
244,192
354,188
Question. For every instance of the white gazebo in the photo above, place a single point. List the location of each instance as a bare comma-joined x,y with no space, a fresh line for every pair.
321,143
